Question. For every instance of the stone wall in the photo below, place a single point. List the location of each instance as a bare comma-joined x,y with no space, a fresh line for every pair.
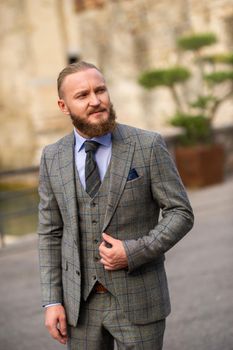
32,53
123,37
126,37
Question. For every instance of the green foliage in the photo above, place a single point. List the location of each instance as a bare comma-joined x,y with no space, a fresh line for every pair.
203,102
196,41
197,129
163,77
220,58
219,77
195,117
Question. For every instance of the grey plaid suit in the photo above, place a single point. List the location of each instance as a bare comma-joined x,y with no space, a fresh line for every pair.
131,214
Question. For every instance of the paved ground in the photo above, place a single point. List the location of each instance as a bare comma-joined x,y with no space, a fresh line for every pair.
200,274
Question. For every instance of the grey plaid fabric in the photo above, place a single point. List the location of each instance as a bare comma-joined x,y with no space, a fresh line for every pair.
130,211
92,176
91,218
102,320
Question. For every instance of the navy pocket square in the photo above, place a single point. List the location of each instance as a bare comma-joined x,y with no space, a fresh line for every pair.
132,175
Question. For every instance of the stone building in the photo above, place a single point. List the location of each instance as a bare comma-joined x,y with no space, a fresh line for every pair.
123,37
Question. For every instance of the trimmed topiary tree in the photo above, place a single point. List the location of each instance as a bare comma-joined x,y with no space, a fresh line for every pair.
204,108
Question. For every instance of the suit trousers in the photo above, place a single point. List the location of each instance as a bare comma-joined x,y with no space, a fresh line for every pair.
102,323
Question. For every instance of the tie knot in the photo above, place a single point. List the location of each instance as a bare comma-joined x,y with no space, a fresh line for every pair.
91,146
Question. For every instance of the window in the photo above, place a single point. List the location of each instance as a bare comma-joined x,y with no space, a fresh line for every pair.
81,5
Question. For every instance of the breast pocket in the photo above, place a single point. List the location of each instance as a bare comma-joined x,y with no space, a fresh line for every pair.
135,182
135,190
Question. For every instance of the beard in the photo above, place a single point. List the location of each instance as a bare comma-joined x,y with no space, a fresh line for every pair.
98,129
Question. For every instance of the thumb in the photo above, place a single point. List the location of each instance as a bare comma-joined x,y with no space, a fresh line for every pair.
108,238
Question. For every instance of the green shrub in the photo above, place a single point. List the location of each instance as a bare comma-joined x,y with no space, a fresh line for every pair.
163,77
195,117
197,129
196,41
219,58
219,77
203,102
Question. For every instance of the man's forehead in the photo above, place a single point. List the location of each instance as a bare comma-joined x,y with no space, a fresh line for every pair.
85,77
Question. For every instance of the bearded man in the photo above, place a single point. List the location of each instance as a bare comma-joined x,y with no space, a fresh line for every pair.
101,242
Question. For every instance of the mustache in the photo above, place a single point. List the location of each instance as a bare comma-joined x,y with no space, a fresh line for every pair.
96,110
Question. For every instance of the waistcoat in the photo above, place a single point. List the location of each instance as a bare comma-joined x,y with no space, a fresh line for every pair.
91,212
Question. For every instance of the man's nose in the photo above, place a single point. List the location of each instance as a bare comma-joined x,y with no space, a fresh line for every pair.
94,100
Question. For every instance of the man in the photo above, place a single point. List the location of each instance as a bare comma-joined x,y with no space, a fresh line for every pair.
101,242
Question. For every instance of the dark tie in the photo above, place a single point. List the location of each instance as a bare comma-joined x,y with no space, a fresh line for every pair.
92,176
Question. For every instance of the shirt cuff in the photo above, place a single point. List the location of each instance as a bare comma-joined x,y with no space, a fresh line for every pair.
52,304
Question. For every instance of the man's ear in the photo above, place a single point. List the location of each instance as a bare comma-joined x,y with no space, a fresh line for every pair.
62,105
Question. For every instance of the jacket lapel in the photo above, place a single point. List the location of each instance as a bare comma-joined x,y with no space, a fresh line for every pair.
122,154
67,178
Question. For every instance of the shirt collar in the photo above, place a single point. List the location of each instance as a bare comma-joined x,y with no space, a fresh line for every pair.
104,140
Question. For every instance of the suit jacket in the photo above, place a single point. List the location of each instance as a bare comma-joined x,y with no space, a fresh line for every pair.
144,183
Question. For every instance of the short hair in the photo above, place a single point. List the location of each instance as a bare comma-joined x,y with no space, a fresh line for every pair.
71,69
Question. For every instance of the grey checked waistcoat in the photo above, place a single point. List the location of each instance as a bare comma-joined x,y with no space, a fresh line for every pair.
91,212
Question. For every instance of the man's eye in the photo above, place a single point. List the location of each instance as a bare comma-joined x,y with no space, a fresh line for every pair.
79,97
101,90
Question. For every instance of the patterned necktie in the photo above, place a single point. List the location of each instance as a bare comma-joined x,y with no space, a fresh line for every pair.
92,176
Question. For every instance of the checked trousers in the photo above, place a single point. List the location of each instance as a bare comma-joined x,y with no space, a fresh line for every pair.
101,321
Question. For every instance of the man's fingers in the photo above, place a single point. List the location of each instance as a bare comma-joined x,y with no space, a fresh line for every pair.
62,325
109,265
105,262
108,239
104,251
114,258
55,322
55,333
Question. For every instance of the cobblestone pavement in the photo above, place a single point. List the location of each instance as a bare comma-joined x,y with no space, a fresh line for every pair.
200,275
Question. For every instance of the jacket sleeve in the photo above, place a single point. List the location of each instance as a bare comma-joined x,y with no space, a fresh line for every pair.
50,229
176,213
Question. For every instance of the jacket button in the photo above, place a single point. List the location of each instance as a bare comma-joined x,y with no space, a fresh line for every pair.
77,272
96,241
94,222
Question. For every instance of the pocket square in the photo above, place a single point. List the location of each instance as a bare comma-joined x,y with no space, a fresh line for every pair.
132,175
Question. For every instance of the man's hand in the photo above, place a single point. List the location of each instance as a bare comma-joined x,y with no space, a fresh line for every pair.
114,257
55,322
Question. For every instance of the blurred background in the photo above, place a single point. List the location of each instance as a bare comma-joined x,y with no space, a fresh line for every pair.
126,39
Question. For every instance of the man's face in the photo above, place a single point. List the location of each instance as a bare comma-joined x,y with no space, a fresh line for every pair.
85,98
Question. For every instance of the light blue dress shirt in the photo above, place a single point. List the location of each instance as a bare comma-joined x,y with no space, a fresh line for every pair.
102,155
